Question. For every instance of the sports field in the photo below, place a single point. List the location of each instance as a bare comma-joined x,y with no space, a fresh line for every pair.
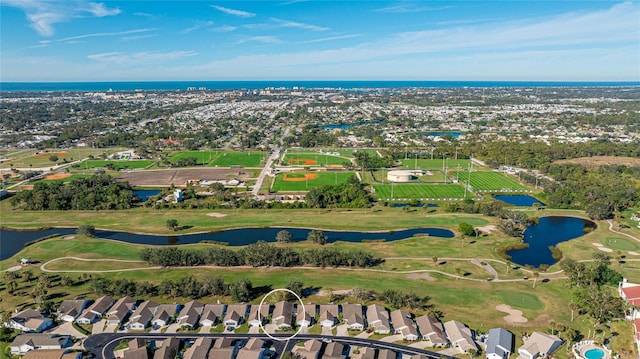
246,159
34,158
118,164
201,157
304,181
66,177
491,182
435,163
413,191
312,159
431,176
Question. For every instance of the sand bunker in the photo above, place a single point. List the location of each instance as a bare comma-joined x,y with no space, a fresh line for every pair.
307,176
487,229
514,317
634,253
597,244
69,237
425,276
57,176
303,161
216,215
605,249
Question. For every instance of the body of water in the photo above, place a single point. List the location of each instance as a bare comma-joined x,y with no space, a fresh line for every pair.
255,85
12,241
144,194
548,232
518,200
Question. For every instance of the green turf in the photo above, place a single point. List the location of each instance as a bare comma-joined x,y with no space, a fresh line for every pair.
435,164
322,178
621,244
119,164
520,299
320,159
436,176
202,157
490,181
246,159
411,191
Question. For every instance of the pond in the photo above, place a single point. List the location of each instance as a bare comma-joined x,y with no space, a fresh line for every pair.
144,194
12,241
548,232
346,126
518,200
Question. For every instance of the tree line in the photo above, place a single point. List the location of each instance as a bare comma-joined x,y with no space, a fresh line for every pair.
344,195
256,255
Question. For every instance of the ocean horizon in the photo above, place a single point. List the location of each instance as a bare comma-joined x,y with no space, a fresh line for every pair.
287,84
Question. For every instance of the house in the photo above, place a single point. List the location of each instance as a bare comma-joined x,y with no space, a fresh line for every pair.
222,349
378,319
387,354
120,310
70,309
164,314
211,314
283,315
94,312
235,314
199,349
29,320
168,350
432,330
252,350
460,336
403,324
333,350
256,318
352,316
306,315
368,353
328,315
630,292
34,341
177,195
52,354
539,345
310,350
137,349
142,316
499,344
190,314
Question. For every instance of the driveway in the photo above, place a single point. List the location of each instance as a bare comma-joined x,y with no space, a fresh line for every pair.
205,329
254,329
67,328
173,328
364,335
342,330
450,351
111,328
392,338
98,327
327,331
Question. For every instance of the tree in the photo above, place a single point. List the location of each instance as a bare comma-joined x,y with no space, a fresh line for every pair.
317,236
294,286
53,158
466,229
535,277
172,224
240,291
284,236
86,230
599,303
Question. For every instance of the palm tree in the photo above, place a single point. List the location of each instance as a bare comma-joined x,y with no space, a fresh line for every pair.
572,307
508,266
535,277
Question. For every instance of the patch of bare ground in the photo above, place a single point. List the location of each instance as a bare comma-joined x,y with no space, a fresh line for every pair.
487,229
597,161
216,215
426,276
514,316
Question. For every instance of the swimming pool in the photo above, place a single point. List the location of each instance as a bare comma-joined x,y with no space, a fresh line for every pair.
594,354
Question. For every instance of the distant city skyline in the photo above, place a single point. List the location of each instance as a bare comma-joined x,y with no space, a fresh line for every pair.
78,40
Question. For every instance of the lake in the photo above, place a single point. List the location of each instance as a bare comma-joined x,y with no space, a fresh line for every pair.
518,200
549,231
144,194
12,241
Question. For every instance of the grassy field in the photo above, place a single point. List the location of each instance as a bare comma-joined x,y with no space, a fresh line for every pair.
31,158
436,176
411,191
202,157
435,164
246,159
621,244
321,178
312,159
66,179
136,164
491,182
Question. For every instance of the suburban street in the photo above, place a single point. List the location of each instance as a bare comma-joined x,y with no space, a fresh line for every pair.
274,157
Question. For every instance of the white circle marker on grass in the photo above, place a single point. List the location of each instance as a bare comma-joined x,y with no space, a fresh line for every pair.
304,314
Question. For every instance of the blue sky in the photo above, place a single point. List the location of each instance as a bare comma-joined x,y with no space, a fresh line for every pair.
79,40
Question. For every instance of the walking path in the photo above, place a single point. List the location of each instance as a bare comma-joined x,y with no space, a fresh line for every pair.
620,233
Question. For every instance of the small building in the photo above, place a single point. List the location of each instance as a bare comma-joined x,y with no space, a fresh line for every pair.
403,324
310,350
282,315
211,314
378,319
387,354
70,309
333,350
257,314
306,315
36,341
137,349
177,195
190,314
352,316
142,316
235,315
432,330
403,176
199,349
539,345
95,311
168,349
52,354
368,353
460,336
29,320
499,344
119,311
254,349
328,315
630,292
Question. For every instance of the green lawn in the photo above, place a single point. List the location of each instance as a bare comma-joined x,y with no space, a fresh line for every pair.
30,158
318,159
411,191
491,181
67,179
322,178
435,164
621,244
118,164
520,300
202,157
436,176
246,159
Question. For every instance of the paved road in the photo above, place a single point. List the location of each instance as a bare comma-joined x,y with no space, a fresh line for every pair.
102,345
274,157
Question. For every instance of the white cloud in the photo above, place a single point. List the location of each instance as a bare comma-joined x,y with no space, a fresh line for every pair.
225,28
140,57
331,38
137,37
233,12
409,8
44,14
261,39
298,25
197,25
